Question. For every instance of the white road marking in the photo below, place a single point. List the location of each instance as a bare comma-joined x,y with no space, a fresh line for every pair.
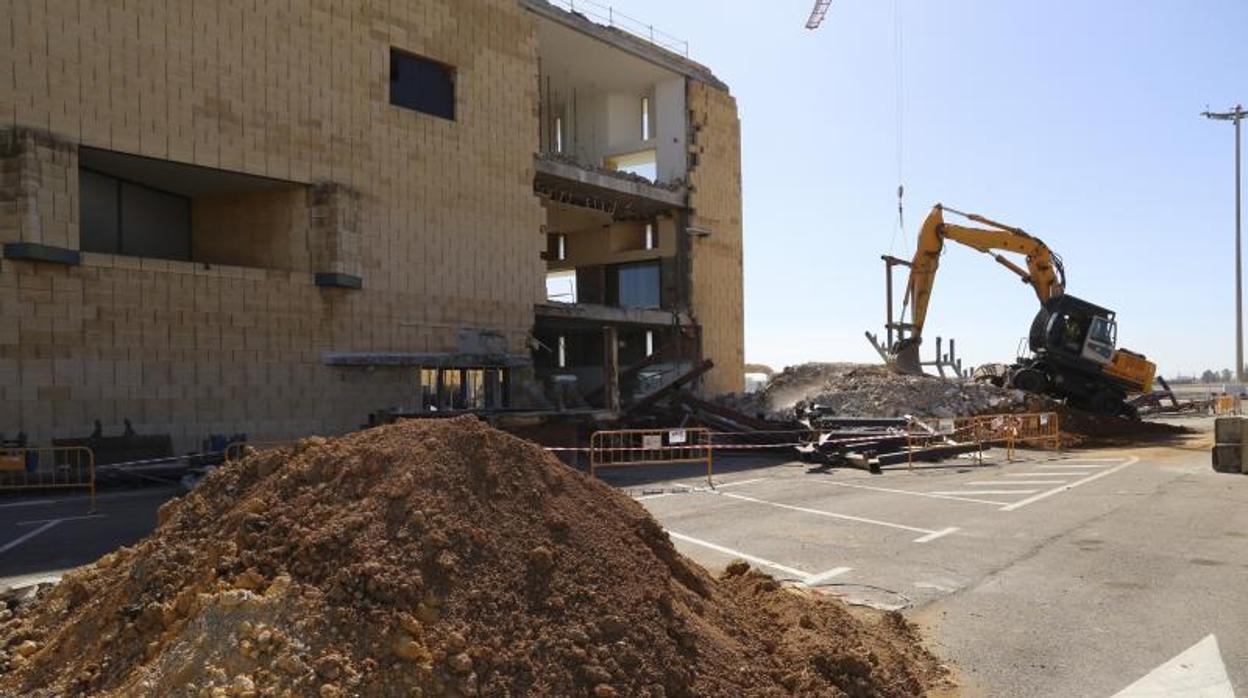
719,486
928,533
800,574
1197,672
63,518
910,492
1035,474
30,503
1072,467
954,493
686,489
1049,493
1016,482
28,535
817,579
936,534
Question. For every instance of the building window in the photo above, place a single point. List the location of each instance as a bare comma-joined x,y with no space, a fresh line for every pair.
429,389
474,389
422,84
556,247
122,217
645,118
634,285
462,389
451,389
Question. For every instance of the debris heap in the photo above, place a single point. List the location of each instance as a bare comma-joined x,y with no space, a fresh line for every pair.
861,390
436,557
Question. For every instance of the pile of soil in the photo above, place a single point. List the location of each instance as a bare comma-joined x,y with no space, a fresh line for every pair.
437,557
1080,428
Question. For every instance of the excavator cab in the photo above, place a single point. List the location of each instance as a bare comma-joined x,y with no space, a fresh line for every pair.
1074,337
1075,330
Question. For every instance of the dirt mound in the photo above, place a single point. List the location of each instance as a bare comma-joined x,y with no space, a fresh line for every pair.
1081,428
862,390
436,557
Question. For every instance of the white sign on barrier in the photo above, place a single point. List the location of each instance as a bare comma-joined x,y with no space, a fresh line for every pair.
676,436
652,441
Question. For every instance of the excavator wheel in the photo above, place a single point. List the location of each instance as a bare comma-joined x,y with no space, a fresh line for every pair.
1030,380
1107,402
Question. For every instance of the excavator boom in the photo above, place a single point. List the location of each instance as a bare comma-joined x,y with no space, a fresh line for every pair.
1044,270
1073,341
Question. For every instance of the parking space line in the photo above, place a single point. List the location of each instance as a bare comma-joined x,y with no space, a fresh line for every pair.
800,574
957,492
63,518
1094,476
817,579
1034,474
718,486
688,489
30,503
928,533
28,535
1016,482
910,492
936,534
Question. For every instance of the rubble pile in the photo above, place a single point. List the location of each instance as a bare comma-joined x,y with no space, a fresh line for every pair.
861,390
433,557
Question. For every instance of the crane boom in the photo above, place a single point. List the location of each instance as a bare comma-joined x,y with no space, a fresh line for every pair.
817,14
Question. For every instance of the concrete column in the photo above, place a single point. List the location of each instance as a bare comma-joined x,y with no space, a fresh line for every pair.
610,369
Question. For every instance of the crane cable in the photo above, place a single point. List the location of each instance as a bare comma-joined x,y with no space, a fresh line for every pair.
899,78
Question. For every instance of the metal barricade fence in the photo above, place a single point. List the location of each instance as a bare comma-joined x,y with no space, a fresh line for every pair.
1226,404
1043,428
634,447
52,467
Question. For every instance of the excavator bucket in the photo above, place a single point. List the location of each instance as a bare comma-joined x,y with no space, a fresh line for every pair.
904,358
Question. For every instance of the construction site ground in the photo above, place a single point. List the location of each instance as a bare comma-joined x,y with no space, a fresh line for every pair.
1071,574
1052,574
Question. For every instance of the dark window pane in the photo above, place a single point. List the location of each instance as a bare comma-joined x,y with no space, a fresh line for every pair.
154,224
421,84
98,194
638,285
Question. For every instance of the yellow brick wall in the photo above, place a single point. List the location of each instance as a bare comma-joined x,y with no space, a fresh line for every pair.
447,222
267,229
715,202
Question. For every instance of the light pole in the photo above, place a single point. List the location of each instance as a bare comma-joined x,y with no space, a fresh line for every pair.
1236,116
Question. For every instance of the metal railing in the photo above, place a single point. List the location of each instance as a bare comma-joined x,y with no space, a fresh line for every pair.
633,447
1010,430
605,14
51,467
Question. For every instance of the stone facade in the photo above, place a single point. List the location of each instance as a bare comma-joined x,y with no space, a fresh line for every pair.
717,258
436,218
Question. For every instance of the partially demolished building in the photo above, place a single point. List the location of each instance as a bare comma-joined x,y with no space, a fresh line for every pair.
278,218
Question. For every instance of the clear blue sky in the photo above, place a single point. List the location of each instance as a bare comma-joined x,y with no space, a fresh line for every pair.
1077,120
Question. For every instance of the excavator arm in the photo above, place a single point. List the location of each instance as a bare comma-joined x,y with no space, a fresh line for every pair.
1043,271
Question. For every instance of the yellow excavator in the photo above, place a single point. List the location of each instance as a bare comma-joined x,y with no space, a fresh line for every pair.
1073,354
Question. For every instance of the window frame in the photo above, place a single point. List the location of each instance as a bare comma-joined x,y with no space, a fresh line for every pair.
452,74
121,216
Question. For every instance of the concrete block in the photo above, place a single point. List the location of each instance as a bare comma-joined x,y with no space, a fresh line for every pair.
1229,429
1228,458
